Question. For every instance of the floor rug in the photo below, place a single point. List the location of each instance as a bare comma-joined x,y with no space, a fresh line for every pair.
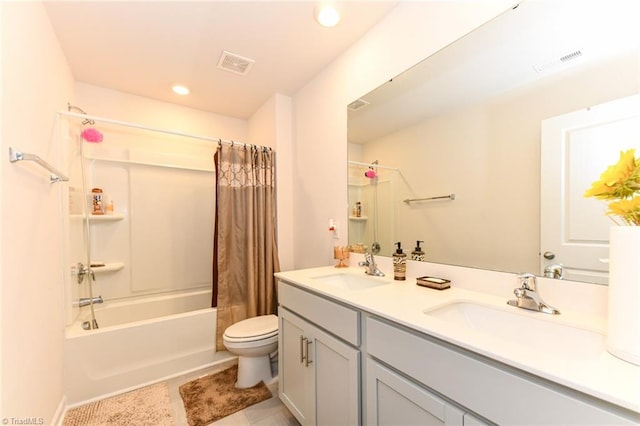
215,396
148,406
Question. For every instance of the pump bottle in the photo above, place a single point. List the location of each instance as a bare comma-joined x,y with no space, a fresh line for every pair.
399,264
417,253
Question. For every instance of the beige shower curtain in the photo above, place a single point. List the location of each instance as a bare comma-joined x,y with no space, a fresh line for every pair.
245,254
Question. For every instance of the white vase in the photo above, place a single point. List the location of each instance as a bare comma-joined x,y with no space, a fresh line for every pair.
623,331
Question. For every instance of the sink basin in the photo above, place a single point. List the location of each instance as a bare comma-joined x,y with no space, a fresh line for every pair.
523,328
350,281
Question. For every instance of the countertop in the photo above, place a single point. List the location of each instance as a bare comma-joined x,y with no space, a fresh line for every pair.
596,372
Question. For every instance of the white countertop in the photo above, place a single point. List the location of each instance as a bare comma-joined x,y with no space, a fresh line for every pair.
598,373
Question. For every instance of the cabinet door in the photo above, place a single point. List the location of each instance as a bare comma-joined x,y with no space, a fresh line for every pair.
337,379
393,400
295,375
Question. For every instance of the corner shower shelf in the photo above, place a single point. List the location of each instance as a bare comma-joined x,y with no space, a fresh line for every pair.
100,218
358,218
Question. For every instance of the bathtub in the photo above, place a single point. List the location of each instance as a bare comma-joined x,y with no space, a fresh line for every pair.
139,342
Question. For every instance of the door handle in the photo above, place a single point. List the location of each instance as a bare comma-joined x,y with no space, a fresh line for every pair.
549,255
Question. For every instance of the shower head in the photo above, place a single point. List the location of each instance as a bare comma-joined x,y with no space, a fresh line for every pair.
81,111
371,173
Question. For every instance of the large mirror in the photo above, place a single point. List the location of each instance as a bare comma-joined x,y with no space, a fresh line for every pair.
470,120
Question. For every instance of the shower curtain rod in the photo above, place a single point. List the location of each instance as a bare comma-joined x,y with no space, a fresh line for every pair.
358,163
156,129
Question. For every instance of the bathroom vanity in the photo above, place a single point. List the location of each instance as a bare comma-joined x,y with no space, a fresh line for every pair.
356,349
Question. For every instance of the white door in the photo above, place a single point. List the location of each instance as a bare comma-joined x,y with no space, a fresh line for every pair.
576,148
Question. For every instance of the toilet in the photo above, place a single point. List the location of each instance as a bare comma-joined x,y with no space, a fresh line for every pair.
253,340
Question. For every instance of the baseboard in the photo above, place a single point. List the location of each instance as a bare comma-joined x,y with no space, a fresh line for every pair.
58,416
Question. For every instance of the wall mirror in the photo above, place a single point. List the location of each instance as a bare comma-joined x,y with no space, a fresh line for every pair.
469,120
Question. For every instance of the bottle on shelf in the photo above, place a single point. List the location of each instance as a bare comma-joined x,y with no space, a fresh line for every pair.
97,201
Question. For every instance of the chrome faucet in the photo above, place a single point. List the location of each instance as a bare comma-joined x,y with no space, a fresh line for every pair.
554,270
85,301
370,263
527,296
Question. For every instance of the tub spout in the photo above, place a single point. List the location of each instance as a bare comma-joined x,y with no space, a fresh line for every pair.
85,301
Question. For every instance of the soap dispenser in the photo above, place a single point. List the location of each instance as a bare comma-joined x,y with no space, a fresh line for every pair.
417,253
399,264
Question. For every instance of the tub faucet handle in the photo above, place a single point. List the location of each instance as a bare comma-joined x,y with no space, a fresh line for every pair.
81,271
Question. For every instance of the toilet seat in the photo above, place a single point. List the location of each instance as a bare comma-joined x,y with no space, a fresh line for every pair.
252,329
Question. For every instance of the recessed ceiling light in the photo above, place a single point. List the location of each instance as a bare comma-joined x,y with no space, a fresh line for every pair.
180,90
327,15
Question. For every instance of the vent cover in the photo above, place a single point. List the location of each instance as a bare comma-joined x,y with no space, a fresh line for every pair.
235,63
570,56
563,60
357,104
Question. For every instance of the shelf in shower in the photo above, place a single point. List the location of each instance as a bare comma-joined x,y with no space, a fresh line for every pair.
99,218
358,218
108,267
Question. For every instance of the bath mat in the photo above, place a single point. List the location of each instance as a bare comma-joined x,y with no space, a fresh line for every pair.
148,406
215,396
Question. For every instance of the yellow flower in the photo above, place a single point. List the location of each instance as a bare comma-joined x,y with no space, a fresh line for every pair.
620,181
628,210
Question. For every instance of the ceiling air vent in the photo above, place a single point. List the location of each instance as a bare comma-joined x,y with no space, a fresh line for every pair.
357,104
235,63
557,63
570,56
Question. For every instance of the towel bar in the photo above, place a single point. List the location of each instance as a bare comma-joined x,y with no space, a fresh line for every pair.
55,175
411,200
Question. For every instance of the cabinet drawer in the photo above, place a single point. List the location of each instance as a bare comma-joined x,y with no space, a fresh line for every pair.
498,394
333,317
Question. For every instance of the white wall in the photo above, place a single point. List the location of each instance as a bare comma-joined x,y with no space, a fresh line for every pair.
271,126
408,34
36,82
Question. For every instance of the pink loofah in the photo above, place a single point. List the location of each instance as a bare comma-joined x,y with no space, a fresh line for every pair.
92,135
370,174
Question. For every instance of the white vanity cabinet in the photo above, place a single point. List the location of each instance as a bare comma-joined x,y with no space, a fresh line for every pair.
346,359
494,391
392,400
319,372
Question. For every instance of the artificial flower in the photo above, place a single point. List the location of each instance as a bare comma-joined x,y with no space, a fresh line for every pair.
620,184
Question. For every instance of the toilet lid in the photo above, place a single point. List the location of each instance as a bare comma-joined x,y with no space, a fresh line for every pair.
260,326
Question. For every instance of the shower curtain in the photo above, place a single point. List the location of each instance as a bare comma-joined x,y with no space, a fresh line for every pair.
245,254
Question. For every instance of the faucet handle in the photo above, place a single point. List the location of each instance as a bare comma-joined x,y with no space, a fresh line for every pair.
527,281
519,292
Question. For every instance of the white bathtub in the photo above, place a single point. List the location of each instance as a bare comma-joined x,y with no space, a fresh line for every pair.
139,342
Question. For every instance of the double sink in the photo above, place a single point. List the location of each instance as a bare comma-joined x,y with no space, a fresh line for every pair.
532,330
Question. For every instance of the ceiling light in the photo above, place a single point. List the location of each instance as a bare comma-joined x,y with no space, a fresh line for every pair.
327,15
180,90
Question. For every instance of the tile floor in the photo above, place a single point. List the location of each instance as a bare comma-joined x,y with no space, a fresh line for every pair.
266,413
